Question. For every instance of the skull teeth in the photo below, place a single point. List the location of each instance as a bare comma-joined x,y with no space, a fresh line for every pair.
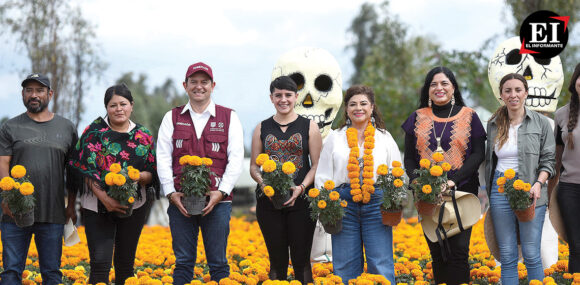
316,118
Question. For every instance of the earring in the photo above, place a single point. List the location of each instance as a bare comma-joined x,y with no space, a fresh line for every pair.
430,102
373,121
348,122
453,100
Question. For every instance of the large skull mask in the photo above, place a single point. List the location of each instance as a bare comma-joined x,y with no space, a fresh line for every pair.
319,81
545,76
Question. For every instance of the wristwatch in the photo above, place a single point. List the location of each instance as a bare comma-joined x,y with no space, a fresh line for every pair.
224,194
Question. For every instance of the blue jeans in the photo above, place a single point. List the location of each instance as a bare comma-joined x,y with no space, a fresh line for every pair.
15,243
215,228
362,227
506,226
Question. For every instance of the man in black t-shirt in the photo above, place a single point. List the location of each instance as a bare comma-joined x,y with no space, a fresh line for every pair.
40,141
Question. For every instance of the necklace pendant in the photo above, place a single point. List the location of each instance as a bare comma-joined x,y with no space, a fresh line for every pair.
439,149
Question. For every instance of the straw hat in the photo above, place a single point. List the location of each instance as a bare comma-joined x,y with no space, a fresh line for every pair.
469,212
556,216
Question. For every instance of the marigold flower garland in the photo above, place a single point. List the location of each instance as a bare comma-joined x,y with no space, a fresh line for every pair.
361,193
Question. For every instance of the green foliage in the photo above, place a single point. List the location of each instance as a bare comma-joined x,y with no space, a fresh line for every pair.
332,213
195,180
394,198
60,43
124,192
394,64
150,106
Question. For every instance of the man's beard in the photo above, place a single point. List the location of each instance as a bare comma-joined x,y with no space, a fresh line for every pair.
35,109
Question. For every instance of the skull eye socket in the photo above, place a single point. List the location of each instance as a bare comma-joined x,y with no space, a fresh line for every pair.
513,57
543,61
323,83
298,79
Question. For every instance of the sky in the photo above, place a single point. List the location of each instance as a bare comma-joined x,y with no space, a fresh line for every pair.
241,41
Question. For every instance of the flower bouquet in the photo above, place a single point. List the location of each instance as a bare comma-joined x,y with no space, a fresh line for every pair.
518,194
195,182
326,205
17,194
428,185
123,186
277,177
394,192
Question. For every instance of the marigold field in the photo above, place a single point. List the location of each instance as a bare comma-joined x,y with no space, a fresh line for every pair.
249,263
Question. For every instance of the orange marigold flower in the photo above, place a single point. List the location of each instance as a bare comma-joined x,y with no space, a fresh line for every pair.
206,161
134,174
352,167
500,189
354,192
321,204
119,179
288,167
368,174
398,183
131,200
438,157
261,158
398,172
357,198
527,187
109,179
334,196
269,166
353,174
194,160
343,204
16,185
18,171
509,174
382,169
7,183
183,160
396,163
426,189
269,191
446,166
425,163
26,188
313,192
500,181
519,184
368,151
329,185
115,168
355,186
436,170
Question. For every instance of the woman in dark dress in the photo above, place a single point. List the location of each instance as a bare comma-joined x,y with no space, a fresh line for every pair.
444,124
286,136
113,139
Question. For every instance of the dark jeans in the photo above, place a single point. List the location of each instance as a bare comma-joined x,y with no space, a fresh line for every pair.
15,243
455,270
568,201
288,227
107,233
215,229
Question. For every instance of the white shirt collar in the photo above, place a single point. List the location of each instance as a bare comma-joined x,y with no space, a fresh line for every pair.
131,124
210,108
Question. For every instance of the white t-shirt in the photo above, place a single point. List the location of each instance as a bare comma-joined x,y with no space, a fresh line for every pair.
507,155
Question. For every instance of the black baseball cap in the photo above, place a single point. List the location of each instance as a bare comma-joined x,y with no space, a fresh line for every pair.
40,78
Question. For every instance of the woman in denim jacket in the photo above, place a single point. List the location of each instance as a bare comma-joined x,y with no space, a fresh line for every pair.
523,140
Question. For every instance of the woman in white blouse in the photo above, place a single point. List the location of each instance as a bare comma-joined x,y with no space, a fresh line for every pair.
350,157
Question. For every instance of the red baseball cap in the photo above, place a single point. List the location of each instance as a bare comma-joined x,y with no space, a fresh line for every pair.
199,66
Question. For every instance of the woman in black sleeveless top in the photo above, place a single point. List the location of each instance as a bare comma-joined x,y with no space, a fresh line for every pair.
286,136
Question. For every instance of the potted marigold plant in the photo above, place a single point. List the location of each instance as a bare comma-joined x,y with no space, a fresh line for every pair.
518,194
394,192
17,194
326,206
277,177
195,182
427,187
123,186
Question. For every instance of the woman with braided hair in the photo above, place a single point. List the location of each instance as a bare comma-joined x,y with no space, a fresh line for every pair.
568,169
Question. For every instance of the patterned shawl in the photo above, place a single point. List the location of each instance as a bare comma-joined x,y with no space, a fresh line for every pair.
100,146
